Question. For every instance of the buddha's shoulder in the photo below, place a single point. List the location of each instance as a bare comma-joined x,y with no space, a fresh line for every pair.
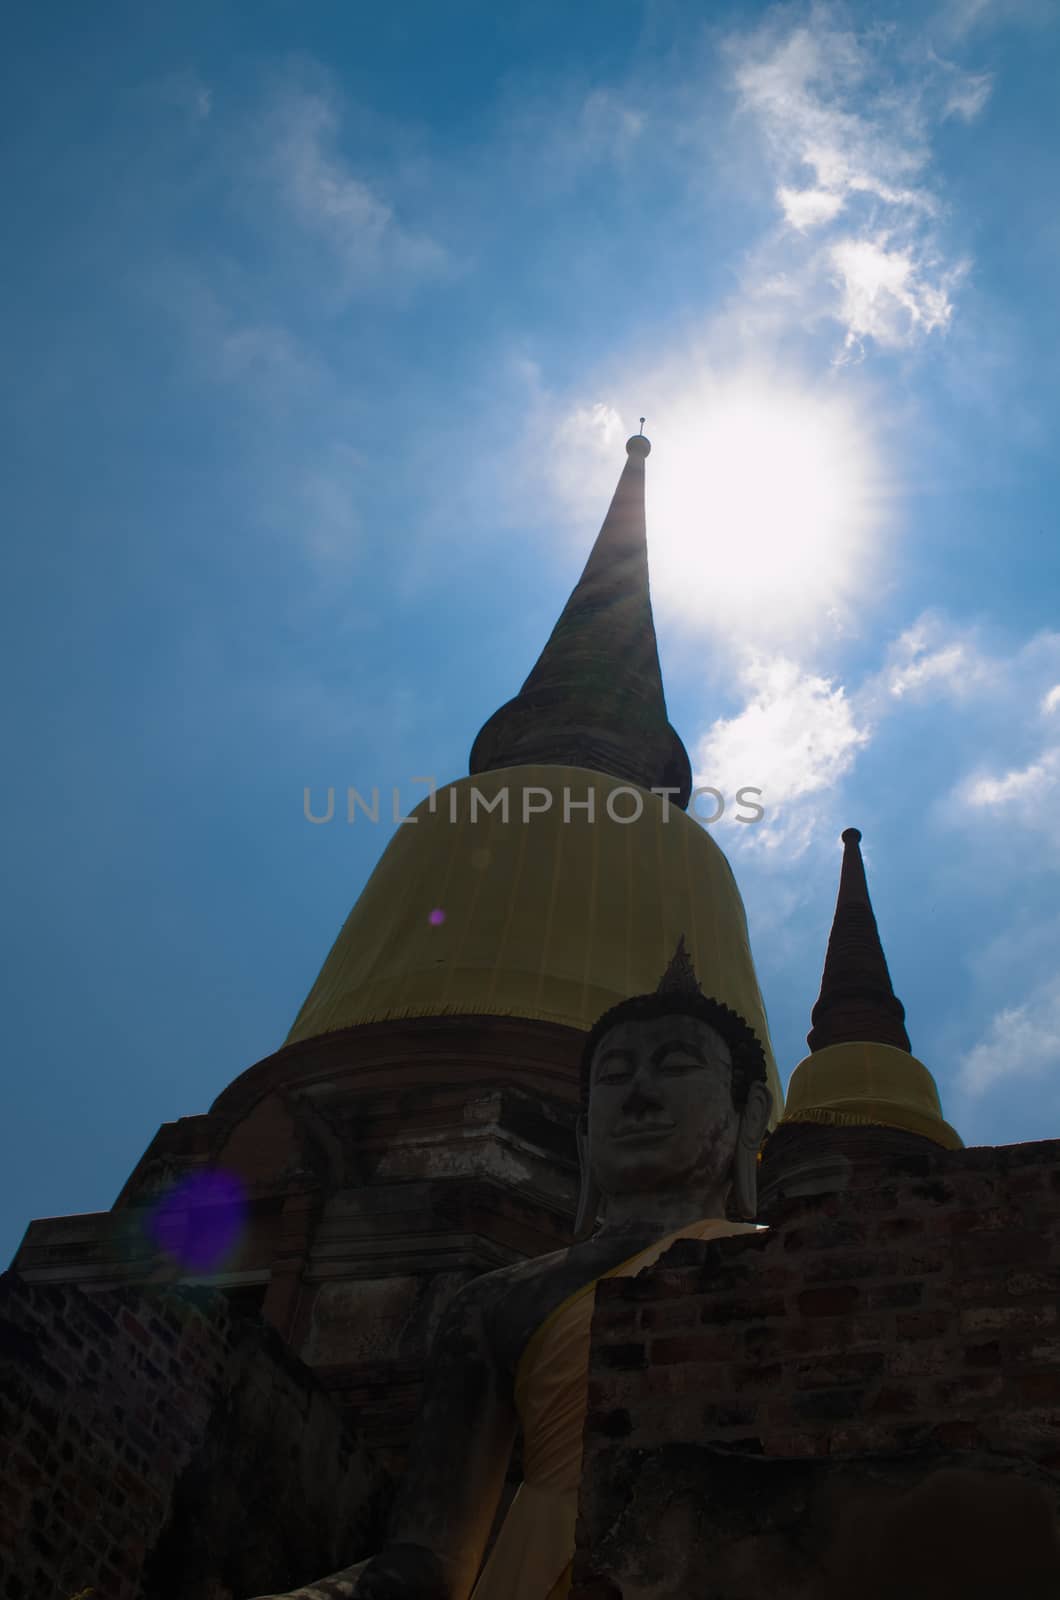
518,1298
494,1291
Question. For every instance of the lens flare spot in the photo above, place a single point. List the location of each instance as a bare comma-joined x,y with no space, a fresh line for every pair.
437,917
202,1221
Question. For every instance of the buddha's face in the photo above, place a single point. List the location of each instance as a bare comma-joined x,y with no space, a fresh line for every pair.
660,1107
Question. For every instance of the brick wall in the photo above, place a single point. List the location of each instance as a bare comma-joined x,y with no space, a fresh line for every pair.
912,1318
159,1446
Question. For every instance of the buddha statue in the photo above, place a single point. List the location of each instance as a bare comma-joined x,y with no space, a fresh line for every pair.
674,1109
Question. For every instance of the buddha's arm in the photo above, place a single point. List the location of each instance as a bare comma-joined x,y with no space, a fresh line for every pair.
456,1467
459,1454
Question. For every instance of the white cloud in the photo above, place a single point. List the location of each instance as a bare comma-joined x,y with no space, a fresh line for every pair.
310,184
328,489
795,739
272,368
187,92
1020,1042
1027,794
885,294
574,449
829,101
1012,771
800,733
806,208
1014,778
932,658
596,428
774,445
551,142
967,95
810,88
961,17
607,127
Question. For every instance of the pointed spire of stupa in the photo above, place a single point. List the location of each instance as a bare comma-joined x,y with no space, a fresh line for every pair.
856,1001
595,698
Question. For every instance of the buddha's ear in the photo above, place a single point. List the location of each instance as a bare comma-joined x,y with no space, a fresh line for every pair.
753,1121
588,1195
754,1118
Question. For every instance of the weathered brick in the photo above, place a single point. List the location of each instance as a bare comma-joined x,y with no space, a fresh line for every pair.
800,1208
763,1341
613,1319
1032,1181
889,1229
922,1324
613,1424
778,1275
957,1434
983,1355
743,1310
820,1334
833,1233
842,1267
879,1437
1036,1389
973,1389
1044,1281
831,1301
105,1443
828,1405
659,1284
670,1316
794,1445
1031,1352
976,1319
933,1192
135,1327
922,1260
636,1388
846,1367
693,1347
620,1356
978,1290
927,1358
891,1400
725,1416
872,1202
889,1296
1003,1249
754,1376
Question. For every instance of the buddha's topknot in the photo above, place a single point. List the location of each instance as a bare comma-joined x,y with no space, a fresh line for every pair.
679,995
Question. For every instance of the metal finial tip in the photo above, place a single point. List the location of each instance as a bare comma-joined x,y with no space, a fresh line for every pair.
851,836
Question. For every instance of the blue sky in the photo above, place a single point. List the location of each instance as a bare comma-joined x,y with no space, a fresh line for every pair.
324,328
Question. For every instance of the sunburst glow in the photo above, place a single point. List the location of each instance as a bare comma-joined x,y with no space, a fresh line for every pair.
762,502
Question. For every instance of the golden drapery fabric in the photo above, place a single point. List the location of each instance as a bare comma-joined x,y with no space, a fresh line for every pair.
864,1083
556,918
531,1559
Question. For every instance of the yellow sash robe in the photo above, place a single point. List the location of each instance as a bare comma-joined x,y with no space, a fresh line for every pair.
532,1557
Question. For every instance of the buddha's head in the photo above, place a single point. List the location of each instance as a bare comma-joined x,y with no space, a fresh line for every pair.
674,1099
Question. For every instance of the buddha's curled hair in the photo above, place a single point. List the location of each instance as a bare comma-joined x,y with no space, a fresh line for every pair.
679,995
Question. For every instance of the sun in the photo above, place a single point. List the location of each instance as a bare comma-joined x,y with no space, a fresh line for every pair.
764,507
